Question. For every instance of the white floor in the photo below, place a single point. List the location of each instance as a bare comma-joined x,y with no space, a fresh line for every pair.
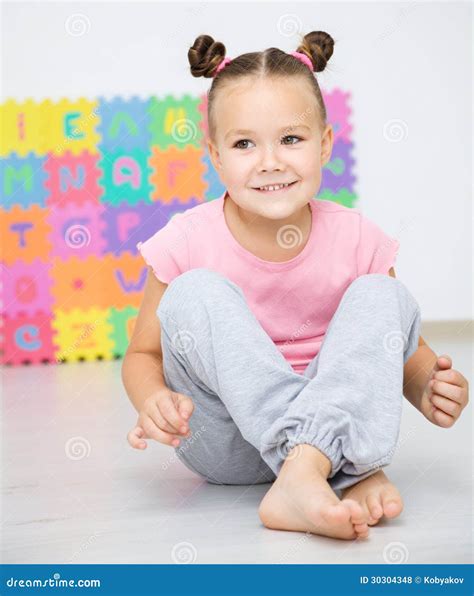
75,492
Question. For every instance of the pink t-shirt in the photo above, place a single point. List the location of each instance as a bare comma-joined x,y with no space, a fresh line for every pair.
295,300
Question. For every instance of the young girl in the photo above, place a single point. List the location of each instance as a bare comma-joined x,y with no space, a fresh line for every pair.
274,342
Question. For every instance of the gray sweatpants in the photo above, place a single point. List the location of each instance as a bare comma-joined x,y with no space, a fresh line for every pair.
251,408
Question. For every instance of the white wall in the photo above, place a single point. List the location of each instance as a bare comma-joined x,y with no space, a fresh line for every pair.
401,61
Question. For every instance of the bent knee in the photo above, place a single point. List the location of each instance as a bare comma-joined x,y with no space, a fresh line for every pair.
373,284
197,277
191,286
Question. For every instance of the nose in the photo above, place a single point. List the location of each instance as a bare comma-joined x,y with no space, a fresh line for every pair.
269,158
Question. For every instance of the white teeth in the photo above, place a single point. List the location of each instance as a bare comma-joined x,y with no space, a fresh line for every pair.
273,187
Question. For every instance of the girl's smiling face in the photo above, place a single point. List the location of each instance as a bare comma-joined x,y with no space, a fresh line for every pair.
269,131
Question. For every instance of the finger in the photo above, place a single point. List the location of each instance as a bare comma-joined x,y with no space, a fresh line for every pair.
444,361
446,405
450,376
159,435
442,419
448,390
170,413
185,406
155,414
135,438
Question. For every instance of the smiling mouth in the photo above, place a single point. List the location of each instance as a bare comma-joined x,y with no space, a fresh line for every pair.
275,187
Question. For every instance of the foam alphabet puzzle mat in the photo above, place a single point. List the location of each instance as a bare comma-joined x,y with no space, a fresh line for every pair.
82,182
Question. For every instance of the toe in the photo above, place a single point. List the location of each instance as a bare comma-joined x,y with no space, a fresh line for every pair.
392,508
374,506
392,503
358,515
362,532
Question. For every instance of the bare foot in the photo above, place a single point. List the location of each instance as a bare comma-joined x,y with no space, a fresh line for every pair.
377,496
301,499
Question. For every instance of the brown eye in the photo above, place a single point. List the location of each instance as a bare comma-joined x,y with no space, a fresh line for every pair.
242,141
291,137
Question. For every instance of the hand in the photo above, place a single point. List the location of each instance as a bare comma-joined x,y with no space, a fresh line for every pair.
445,395
162,417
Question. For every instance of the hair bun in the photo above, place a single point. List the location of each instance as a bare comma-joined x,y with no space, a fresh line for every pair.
205,55
318,46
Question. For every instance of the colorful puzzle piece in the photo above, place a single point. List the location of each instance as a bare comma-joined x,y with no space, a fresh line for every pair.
81,183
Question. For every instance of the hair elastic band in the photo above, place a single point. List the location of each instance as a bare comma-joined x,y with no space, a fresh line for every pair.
304,59
222,65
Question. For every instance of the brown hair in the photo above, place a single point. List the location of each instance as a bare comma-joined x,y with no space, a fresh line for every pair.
205,55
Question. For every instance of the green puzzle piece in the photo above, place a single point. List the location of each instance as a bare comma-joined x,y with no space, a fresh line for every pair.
175,121
343,197
118,319
125,176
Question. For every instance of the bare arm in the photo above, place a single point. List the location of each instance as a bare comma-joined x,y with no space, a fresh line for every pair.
417,369
142,375
142,367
